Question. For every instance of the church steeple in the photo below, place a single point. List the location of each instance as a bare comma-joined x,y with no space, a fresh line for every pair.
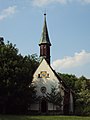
45,43
45,37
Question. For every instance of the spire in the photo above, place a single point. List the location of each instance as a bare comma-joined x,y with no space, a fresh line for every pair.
45,37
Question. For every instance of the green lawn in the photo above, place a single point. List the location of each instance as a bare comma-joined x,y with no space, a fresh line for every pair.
9,117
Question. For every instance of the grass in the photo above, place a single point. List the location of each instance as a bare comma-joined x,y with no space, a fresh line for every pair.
14,117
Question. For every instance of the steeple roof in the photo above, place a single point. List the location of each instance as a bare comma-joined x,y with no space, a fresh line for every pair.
45,37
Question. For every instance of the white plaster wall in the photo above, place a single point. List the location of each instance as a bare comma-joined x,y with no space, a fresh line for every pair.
47,82
50,106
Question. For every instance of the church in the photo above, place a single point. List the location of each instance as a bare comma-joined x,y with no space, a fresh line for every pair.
45,77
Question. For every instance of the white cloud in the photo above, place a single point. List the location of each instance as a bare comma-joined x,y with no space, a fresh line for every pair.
7,12
41,3
78,60
85,1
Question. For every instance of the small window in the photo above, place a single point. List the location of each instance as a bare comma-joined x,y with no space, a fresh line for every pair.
38,75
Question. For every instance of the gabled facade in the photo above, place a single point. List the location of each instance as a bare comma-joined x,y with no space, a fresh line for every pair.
45,77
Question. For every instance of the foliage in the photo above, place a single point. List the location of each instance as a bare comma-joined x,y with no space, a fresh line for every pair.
69,80
54,97
83,96
81,88
16,74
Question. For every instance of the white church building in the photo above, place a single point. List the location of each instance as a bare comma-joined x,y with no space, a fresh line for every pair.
45,77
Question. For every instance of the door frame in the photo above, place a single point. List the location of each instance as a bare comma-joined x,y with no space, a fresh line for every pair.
42,106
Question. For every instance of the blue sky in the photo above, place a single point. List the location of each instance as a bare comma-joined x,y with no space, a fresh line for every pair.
68,21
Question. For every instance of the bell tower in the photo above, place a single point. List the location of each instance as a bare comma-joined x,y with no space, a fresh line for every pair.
45,43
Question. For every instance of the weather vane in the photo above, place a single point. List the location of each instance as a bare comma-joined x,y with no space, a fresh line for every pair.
45,12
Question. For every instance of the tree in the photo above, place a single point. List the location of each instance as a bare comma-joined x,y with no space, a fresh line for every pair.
8,55
81,88
69,80
16,74
83,97
30,96
1,41
54,97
